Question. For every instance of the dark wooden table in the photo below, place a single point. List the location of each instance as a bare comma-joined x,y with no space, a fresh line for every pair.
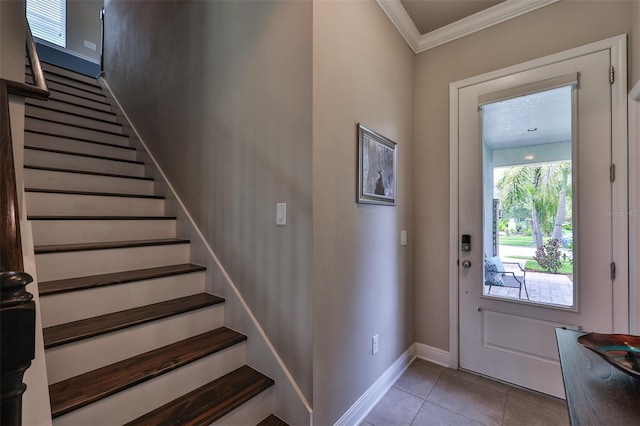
597,392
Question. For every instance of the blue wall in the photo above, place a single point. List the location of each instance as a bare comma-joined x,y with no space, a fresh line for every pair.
65,60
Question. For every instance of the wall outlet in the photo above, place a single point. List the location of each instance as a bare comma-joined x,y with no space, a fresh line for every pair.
374,344
90,45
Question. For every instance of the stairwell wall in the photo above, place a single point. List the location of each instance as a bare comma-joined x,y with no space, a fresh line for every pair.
221,94
363,277
634,45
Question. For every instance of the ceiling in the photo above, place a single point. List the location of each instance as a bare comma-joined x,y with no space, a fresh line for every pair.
429,15
536,119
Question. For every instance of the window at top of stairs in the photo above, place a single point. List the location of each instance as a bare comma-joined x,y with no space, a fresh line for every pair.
48,20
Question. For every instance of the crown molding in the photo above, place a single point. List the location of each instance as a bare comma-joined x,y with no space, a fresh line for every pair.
484,19
398,15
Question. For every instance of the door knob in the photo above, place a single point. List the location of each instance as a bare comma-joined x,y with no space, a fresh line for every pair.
466,263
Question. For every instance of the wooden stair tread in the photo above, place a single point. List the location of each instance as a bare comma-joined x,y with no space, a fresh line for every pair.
90,327
79,92
273,420
70,83
85,172
30,105
80,154
49,70
211,401
111,145
35,102
47,288
58,248
76,392
101,194
78,100
101,217
48,120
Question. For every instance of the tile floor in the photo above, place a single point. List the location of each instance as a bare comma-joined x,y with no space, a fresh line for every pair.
428,394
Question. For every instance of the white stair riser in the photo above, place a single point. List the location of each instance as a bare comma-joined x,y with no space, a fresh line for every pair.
136,401
251,412
46,204
79,357
57,266
71,145
80,101
74,132
77,162
74,109
76,92
76,305
95,231
45,179
48,114
71,82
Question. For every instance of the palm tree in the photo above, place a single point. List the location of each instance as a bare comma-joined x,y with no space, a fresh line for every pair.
541,187
565,170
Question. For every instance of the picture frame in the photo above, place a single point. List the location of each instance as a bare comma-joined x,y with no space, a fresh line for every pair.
377,168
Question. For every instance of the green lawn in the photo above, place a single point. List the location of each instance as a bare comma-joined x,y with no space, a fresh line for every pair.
518,240
532,265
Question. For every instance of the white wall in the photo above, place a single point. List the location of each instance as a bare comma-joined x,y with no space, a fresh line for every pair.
83,23
634,45
363,280
552,29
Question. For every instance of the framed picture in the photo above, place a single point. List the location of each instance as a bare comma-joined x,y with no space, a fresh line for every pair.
377,173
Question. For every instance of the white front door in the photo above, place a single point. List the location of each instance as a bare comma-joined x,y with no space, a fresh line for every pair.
526,125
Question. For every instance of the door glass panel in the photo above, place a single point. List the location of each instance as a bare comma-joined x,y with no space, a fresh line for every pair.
528,198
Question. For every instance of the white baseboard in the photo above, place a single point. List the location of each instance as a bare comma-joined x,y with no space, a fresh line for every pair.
359,410
434,355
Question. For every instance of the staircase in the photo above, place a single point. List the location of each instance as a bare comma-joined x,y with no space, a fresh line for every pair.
130,334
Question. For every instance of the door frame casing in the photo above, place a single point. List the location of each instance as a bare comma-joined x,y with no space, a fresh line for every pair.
634,207
618,47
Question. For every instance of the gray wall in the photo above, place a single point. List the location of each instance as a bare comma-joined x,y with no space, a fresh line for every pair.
552,29
634,46
221,93
363,278
83,23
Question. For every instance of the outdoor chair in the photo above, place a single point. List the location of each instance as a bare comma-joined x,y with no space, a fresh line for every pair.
495,274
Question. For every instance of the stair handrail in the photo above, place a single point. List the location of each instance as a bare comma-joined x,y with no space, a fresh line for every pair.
17,309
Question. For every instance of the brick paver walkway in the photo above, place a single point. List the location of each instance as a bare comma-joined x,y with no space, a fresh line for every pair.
553,289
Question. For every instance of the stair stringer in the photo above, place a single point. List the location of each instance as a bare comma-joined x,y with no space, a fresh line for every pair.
289,402
35,403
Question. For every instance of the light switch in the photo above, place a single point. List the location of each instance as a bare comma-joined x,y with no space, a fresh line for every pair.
281,214
403,238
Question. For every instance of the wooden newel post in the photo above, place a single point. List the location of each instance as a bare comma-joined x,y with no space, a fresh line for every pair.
17,342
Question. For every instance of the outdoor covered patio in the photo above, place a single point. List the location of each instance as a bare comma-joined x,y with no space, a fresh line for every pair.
553,289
